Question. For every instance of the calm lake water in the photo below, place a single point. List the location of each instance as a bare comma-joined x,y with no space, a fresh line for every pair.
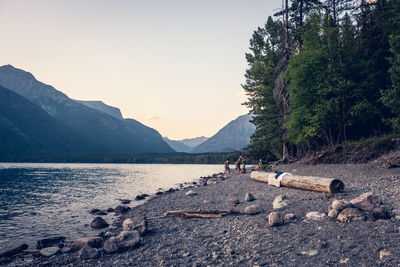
41,200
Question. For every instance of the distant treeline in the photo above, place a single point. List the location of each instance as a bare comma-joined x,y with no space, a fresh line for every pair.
324,73
171,158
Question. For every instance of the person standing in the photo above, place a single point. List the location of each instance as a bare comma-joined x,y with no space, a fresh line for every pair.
226,165
244,165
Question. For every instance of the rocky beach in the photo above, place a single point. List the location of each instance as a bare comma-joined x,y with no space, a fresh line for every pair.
260,225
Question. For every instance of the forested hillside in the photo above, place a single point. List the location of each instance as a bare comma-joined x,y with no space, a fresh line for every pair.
321,73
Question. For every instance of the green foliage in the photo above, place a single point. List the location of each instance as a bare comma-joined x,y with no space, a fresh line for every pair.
343,81
391,97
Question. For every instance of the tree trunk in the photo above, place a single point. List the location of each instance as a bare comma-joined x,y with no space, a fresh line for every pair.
313,183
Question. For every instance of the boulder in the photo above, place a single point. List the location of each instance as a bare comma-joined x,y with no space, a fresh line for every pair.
249,197
191,193
367,202
275,218
136,223
110,210
380,213
351,214
333,213
128,239
121,209
94,242
50,242
316,216
279,202
11,252
99,222
253,209
234,200
88,253
49,251
340,204
111,245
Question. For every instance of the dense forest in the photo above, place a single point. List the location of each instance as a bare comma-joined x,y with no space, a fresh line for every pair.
322,73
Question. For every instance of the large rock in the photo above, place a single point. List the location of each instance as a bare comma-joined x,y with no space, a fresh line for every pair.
340,204
253,209
275,218
11,252
111,245
128,239
249,197
125,240
88,253
99,222
316,216
279,202
50,242
380,213
136,223
49,251
333,213
367,202
93,241
351,214
121,209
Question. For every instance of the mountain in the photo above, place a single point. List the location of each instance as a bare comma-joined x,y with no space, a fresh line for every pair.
100,106
232,137
193,142
185,145
26,129
109,134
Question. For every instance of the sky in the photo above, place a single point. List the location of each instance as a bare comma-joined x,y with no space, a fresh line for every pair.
174,65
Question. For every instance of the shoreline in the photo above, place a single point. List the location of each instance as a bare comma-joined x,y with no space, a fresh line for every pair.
248,240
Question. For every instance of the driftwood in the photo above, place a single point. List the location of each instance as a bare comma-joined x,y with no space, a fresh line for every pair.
313,183
201,213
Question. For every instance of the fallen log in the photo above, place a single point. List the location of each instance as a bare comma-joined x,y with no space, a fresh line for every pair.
200,213
313,183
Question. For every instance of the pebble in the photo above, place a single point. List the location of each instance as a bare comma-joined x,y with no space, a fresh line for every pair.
191,193
351,214
340,205
88,253
49,251
310,253
279,202
253,209
275,218
249,197
384,253
333,213
290,217
316,216
234,200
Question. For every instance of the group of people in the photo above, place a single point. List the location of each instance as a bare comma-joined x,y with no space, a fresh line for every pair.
240,165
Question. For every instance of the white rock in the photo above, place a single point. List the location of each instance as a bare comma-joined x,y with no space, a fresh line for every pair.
279,202
316,216
50,251
191,193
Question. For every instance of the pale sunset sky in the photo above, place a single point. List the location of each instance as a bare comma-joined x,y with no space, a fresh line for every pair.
174,65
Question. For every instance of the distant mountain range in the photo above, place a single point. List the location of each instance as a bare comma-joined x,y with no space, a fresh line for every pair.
232,137
185,145
235,136
65,124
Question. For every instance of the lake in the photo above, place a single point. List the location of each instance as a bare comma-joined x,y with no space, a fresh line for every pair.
39,200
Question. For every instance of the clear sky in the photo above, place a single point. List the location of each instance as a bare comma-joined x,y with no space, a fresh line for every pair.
174,65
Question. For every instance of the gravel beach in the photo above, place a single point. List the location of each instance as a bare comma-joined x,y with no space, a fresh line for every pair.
248,240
